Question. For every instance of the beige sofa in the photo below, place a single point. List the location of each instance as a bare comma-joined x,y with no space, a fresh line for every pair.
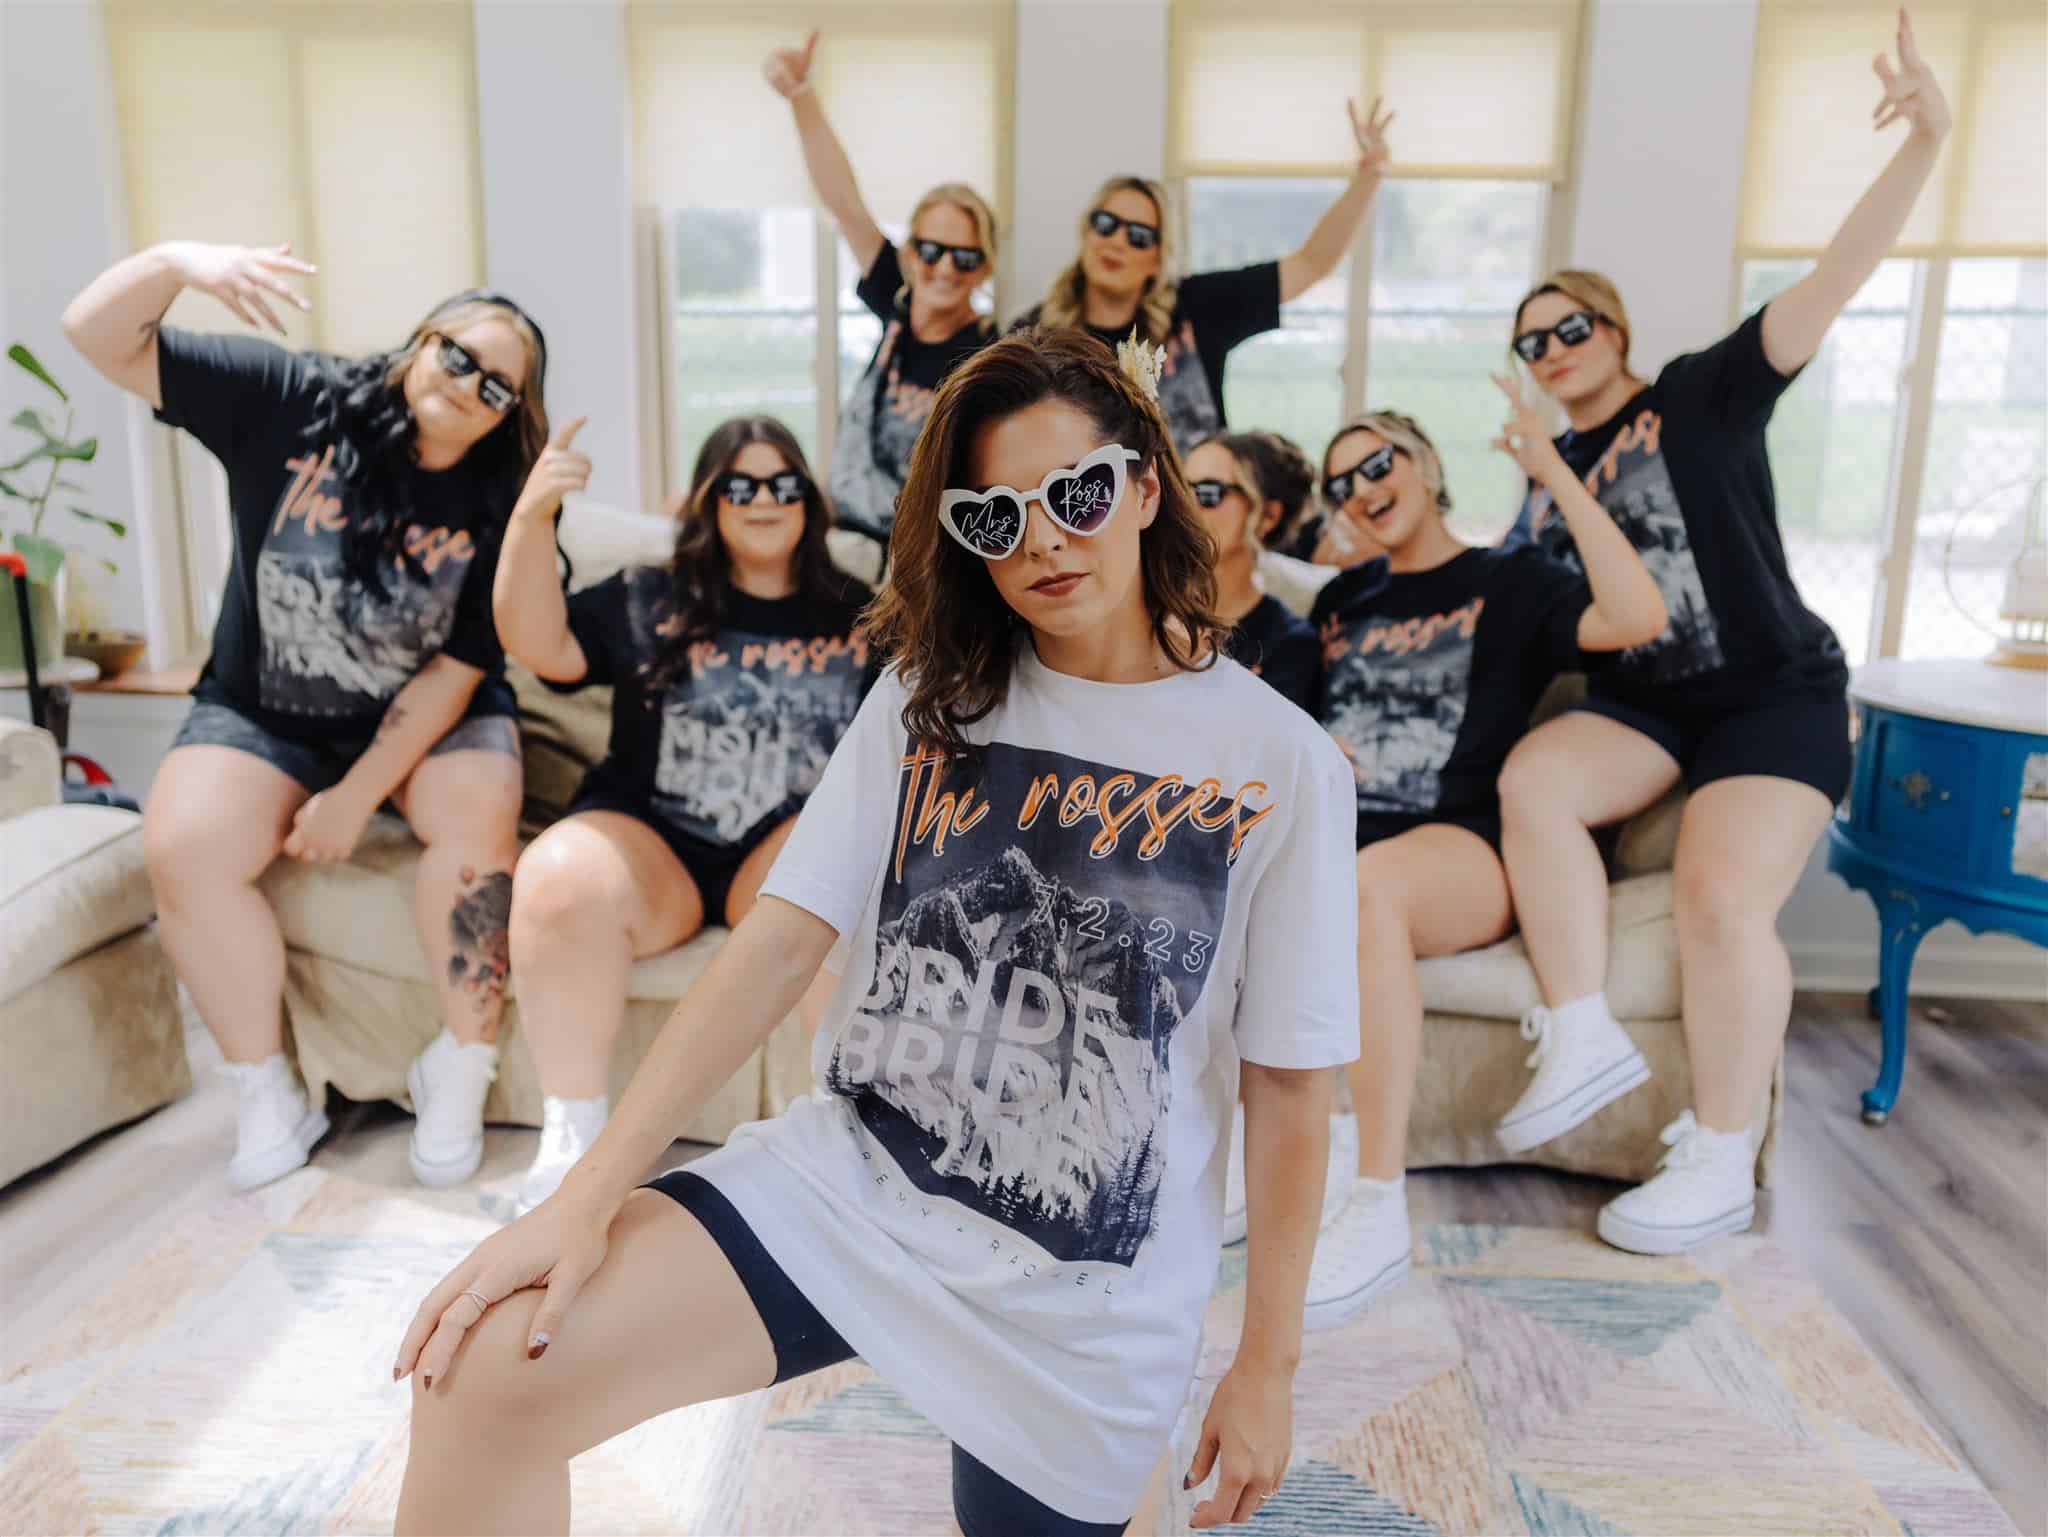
360,1003
90,1034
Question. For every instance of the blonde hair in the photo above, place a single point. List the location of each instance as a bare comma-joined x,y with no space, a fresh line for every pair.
1242,450
1405,434
1066,301
1595,290
952,194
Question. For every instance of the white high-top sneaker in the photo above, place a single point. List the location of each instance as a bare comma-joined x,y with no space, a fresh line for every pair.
1579,1068
1338,1174
1360,1256
275,1127
1706,1187
448,1082
568,1127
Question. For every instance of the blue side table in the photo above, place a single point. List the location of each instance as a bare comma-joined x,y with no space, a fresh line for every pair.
1947,818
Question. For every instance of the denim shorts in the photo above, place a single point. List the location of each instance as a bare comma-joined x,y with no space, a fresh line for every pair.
984,1502
320,765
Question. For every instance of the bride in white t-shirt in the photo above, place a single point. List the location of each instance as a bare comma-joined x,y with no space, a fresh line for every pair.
1077,869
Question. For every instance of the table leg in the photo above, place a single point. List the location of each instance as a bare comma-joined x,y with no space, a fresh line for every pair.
1902,934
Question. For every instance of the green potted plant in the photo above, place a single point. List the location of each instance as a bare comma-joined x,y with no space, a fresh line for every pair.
29,483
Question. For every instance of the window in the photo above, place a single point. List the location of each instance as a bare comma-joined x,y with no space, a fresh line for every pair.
1419,312
252,122
1907,455
755,280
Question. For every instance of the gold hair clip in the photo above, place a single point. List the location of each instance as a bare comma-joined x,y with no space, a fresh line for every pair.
1142,364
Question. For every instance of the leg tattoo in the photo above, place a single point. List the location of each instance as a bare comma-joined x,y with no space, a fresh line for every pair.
480,957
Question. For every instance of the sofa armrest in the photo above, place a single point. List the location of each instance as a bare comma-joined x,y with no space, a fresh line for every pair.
31,769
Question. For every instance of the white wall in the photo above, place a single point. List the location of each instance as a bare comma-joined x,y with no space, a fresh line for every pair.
64,222
1091,103
553,105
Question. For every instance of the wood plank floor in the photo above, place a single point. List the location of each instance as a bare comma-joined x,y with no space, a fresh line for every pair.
1930,1234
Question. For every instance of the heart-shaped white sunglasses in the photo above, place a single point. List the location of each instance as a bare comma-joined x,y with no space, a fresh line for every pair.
1080,499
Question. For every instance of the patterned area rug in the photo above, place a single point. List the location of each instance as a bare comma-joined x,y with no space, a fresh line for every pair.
1523,1381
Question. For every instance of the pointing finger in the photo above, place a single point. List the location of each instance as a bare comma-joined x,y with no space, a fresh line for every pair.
566,435
810,47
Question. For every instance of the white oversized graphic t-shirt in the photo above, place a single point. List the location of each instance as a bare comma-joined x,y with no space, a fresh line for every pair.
1005,1190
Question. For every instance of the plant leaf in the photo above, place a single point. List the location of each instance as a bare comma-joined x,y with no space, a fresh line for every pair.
27,360
120,529
30,418
26,459
7,489
64,484
82,452
45,556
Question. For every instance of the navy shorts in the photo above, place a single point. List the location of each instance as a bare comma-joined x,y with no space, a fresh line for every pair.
320,765
712,867
1799,733
984,1503
1378,826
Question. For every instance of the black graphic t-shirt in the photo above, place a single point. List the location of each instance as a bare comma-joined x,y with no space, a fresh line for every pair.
1277,644
1429,677
1006,1190
1682,469
732,748
299,647
883,414
1212,313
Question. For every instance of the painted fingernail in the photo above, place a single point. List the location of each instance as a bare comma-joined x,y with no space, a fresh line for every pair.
427,1383
537,1347
396,1374
1186,1482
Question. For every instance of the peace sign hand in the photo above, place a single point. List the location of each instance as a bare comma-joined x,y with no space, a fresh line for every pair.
1911,91
1371,134
1525,436
558,471
789,69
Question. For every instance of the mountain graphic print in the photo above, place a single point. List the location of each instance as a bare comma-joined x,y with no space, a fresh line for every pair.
1042,934
1633,483
331,647
1394,698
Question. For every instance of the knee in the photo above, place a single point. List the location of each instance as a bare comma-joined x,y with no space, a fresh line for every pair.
490,1396
561,885
1709,903
1536,783
183,849
1382,907
483,819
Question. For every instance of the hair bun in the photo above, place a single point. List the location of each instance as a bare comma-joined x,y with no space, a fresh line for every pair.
1142,364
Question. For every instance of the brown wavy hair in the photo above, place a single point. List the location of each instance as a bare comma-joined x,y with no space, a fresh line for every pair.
700,569
941,618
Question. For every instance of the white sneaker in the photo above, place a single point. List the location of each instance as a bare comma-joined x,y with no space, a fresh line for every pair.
275,1127
1360,1256
448,1082
1579,1068
1707,1187
1338,1174
568,1127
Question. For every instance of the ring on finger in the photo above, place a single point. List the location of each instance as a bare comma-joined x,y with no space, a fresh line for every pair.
1514,440
483,1303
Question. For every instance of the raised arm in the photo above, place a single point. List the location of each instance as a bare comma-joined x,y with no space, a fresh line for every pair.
1317,256
1796,321
789,71
113,322
527,602
1627,609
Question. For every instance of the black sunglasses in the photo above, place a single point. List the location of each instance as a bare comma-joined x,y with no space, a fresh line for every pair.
493,389
1210,493
1573,331
1376,465
1142,237
966,258
740,488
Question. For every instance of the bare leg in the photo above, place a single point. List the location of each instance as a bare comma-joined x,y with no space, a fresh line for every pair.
1566,777
216,818
464,806
663,1323
1433,891
1741,848
595,892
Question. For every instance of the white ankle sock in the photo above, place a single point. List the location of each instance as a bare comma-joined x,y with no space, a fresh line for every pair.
1589,1010
1379,1189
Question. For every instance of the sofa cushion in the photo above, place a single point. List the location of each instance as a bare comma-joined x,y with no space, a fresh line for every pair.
71,879
1642,964
30,772
359,912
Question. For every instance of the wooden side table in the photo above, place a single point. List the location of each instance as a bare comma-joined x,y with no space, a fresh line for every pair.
1947,818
